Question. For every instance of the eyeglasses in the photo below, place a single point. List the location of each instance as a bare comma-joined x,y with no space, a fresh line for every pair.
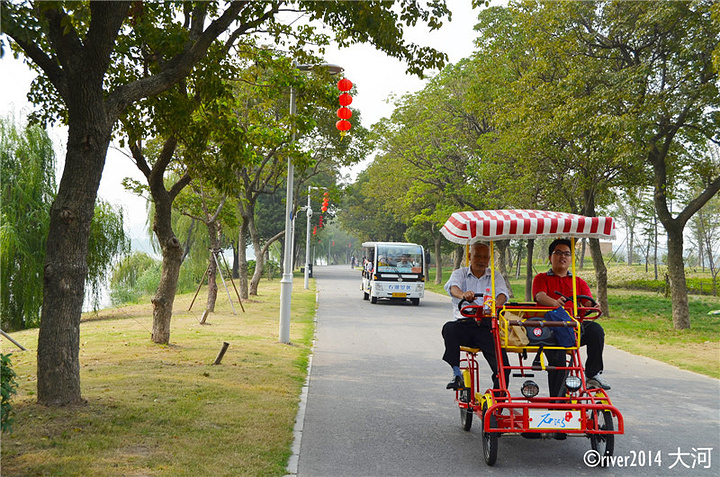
562,254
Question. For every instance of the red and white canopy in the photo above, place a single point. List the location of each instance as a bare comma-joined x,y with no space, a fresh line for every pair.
469,227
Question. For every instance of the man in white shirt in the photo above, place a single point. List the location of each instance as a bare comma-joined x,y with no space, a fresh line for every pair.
463,284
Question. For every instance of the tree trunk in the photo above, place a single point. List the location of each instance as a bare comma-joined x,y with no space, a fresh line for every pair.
58,363
242,258
655,248
438,260
259,254
213,234
172,253
172,249
165,296
459,257
518,263
502,246
258,273
600,275
676,271
236,259
529,276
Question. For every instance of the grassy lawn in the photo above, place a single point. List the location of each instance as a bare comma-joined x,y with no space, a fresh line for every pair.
166,410
640,322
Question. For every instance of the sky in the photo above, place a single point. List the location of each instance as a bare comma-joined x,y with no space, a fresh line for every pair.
376,76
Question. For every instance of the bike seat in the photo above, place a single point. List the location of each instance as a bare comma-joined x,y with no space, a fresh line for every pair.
468,349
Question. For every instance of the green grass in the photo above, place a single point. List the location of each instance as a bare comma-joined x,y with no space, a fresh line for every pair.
166,410
640,322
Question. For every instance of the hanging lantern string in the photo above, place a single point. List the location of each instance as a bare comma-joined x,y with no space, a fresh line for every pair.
344,113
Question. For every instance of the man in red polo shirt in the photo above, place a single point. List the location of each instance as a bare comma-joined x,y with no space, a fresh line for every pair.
559,279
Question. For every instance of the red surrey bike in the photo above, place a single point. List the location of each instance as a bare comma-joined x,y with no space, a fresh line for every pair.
581,410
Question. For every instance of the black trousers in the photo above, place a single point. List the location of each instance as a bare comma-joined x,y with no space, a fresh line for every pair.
592,335
468,333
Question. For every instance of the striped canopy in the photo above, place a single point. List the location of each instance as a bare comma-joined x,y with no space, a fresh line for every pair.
479,225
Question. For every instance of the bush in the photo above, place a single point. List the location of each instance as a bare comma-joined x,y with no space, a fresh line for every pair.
700,286
651,285
9,387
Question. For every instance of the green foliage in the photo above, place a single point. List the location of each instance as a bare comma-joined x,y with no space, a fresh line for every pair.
107,241
271,269
8,387
137,275
27,175
28,189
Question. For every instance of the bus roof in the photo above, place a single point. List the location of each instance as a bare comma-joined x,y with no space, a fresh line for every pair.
373,244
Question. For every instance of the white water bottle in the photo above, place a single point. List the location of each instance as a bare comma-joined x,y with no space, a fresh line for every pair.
487,299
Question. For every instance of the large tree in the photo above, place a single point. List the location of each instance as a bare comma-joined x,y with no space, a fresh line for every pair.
660,55
73,45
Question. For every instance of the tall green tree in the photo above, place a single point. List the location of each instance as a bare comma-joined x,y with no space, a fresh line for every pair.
660,56
73,45
27,172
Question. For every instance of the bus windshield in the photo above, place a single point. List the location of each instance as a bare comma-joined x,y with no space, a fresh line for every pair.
399,258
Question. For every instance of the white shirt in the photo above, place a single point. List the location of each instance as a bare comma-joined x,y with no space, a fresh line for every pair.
464,279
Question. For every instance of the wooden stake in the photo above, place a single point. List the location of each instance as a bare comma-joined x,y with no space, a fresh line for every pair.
222,352
12,340
204,316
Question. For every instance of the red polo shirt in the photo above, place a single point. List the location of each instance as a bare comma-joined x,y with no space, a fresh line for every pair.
550,283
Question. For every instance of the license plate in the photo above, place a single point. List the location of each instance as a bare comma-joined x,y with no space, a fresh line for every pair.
544,419
399,295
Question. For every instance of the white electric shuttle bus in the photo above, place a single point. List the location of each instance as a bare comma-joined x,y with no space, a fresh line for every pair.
393,270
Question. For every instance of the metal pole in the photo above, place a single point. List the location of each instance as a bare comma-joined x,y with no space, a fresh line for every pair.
308,213
286,282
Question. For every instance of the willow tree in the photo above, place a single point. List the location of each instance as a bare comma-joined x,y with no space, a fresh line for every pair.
27,172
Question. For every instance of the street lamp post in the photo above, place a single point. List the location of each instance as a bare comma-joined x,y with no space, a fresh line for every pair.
286,281
309,213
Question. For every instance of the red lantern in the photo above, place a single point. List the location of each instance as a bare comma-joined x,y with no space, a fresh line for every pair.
345,99
344,113
315,230
343,125
344,84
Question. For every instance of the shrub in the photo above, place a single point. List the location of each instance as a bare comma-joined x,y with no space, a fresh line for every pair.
700,286
9,387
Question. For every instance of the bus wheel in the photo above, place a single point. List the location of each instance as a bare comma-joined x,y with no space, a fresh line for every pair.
373,300
415,301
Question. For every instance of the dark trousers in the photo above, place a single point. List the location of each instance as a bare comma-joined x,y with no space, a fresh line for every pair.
469,333
592,335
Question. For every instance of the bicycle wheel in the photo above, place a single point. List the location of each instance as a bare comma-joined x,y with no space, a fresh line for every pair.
489,439
466,414
604,444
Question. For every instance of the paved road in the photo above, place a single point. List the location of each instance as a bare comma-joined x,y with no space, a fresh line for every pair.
377,404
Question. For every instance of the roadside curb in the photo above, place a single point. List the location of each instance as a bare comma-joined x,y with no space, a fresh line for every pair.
292,467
